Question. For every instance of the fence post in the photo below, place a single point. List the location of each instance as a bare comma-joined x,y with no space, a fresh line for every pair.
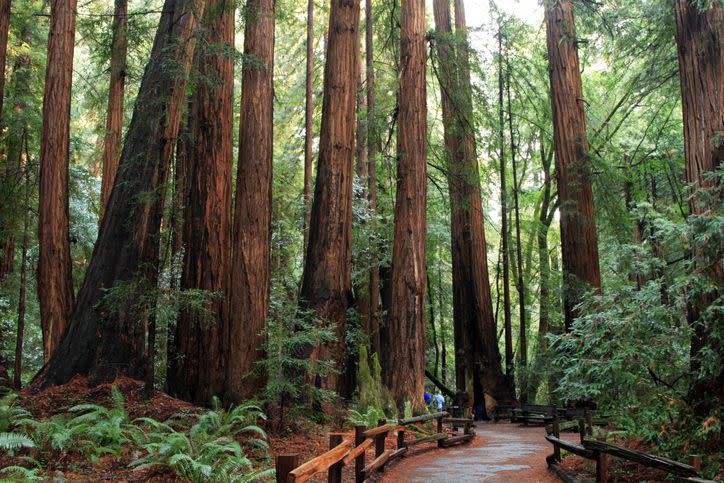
582,429
557,434
334,475
439,430
359,462
601,467
284,465
380,439
400,438
589,421
695,461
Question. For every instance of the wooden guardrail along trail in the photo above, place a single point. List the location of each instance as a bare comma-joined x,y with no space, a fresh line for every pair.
344,452
600,451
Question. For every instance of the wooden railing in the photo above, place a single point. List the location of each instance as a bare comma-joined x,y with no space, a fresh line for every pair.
599,451
343,452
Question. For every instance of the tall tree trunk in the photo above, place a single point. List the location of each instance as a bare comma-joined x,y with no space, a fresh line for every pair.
362,299
407,314
373,149
504,251
106,334
4,30
18,369
326,283
55,266
13,170
545,218
308,121
197,371
443,342
579,243
249,276
518,248
488,365
478,369
700,35
114,117
433,329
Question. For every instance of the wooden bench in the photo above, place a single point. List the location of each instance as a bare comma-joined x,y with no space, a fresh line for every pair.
503,411
534,413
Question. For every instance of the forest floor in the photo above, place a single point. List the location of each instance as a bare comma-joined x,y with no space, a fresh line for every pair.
500,452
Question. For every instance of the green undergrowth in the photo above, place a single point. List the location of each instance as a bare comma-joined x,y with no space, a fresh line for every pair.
216,445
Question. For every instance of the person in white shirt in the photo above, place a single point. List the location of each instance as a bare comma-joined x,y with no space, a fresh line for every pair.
440,400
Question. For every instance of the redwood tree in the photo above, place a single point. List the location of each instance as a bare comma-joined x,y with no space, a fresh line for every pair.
55,269
308,120
106,334
114,116
579,243
373,149
478,370
406,324
700,35
4,29
326,282
196,372
249,276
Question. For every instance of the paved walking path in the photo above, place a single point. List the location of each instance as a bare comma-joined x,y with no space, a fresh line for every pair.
500,452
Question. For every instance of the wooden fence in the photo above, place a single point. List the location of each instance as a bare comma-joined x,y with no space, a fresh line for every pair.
345,451
600,451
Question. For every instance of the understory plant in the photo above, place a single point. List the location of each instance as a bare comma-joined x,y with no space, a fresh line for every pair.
209,450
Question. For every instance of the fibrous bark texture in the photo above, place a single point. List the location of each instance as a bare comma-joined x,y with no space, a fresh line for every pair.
373,148
700,40
249,276
308,120
107,332
326,283
479,370
55,269
406,324
196,372
579,243
114,117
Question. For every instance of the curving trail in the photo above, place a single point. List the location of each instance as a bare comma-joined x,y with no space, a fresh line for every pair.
500,452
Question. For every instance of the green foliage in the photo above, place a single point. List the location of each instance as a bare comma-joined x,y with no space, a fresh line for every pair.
208,451
289,336
11,441
11,412
20,473
374,397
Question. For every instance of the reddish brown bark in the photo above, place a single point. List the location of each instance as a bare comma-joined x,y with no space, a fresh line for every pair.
249,276
4,29
579,243
478,368
19,339
373,148
55,276
106,334
326,283
114,116
700,40
196,373
308,121
406,324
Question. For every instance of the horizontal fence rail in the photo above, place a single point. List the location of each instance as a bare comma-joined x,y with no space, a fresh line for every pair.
344,452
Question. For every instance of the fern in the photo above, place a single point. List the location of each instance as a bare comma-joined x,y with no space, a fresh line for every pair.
11,441
208,451
19,473
10,412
